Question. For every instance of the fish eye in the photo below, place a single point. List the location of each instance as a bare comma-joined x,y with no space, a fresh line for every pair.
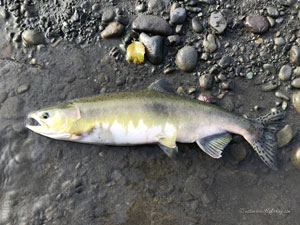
45,115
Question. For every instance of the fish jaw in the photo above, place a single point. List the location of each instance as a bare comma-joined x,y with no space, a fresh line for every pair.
43,129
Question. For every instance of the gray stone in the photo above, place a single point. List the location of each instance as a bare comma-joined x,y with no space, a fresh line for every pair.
296,83
295,56
186,58
206,81
257,24
152,24
23,88
108,15
196,25
114,29
33,37
279,41
279,94
153,45
250,75
156,6
297,71
209,43
285,72
269,67
225,61
218,22
284,136
296,101
174,39
96,7
178,16
269,87
12,108
140,8
272,11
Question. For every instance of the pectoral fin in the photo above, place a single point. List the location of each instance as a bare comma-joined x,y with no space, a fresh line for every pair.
168,145
214,145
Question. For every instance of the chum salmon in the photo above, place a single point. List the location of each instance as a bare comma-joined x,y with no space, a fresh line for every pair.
155,115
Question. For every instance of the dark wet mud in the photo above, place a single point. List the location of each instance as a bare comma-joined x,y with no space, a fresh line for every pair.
44,181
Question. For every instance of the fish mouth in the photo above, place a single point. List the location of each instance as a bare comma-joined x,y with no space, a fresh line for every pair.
34,123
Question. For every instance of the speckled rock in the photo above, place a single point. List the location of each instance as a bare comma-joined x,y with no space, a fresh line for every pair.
33,37
257,24
218,22
152,24
153,45
284,136
295,56
285,72
296,83
178,16
206,81
114,29
186,58
196,25
209,43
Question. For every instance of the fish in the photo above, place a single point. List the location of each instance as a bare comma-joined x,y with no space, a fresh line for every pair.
156,115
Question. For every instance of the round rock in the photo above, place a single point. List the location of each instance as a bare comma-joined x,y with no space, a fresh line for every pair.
209,43
296,101
296,83
285,72
33,37
178,15
295,157
196,25
153,45
295,55
257,24
152,24
186,58
284,136
114,29
218,22
205,81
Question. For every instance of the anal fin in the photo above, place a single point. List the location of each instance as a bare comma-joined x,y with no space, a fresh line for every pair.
214,145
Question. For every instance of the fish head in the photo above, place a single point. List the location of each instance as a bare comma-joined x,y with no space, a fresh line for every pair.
54,122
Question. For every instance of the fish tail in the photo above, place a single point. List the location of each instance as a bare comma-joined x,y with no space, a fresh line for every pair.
263,137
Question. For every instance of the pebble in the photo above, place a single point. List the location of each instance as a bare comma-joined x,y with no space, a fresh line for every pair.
297,71
296,101
284,136
114,29
271,21
227,85
154,49
140,8
209,43
173,40
108,15
206,81
152,24
178,16
196,25
296,83
279,41
33,37
257,24
225,61
279,94
295,56
206,97
269,87
285,72
157,6
273,12
269,67
186,58
23,88
217,22
250,75
295,157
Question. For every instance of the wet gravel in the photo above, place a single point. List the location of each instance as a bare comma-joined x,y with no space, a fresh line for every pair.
245,58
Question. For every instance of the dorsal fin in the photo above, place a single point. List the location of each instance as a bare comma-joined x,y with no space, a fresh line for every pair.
162,85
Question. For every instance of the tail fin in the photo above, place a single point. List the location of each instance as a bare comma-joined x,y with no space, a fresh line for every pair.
264,141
